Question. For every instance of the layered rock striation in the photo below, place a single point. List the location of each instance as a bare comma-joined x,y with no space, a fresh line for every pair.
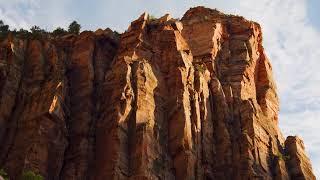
167,99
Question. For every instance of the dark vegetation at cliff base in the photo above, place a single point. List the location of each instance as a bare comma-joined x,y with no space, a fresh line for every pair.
26,175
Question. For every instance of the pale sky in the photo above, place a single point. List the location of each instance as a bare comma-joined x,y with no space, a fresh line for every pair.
291,31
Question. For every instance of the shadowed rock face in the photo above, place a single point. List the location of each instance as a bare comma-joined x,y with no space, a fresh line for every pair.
167,99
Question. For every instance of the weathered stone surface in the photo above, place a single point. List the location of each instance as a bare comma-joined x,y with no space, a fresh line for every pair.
298,163
167,99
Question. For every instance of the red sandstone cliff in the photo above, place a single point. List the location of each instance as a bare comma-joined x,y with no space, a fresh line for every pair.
168,99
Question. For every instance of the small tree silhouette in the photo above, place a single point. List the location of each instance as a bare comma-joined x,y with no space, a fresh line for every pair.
59,32
22,33
74,28
37,32
4,29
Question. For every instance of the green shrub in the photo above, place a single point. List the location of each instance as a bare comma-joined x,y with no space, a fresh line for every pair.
29,175
282,156
4,174
158,165
200,68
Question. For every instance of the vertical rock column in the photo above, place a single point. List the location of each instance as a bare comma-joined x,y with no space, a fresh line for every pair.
80,74
11,69
205,38
245,104
123,128
299,165
179,84
88,57
39,132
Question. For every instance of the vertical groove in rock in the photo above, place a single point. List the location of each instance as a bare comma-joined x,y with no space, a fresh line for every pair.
12,61
106,44
80,74
112,144
91,56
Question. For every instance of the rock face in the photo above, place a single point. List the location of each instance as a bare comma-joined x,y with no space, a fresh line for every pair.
167,99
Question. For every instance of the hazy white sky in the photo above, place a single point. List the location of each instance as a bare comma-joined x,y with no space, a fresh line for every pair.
291,37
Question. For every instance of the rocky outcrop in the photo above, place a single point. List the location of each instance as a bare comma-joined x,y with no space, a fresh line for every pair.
297,160
167,99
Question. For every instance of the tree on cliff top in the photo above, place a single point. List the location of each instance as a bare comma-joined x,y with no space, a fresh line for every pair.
59,32
22,33
4,29
74,28
37,32
37,29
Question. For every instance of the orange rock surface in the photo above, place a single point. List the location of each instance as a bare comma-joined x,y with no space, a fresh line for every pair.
167,99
